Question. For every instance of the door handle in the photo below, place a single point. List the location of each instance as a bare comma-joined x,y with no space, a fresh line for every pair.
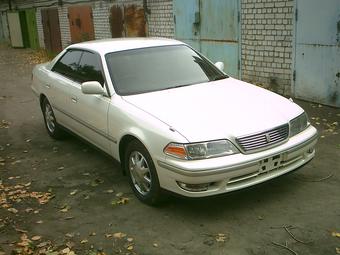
74,99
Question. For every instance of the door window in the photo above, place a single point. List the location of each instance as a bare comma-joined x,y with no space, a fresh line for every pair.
67,65
90,68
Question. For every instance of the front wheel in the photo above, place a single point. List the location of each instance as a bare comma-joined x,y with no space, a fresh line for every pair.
142,173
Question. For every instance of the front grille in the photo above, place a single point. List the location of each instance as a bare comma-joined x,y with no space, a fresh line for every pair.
263,139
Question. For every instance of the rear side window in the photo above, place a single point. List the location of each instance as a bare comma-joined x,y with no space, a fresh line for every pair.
68,64
90,68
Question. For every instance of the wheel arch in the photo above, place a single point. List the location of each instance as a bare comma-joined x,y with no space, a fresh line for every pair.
42,97
123,143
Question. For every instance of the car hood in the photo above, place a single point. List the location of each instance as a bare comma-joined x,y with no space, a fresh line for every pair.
226,108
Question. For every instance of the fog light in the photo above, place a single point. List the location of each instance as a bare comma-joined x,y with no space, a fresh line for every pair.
310,150
194,187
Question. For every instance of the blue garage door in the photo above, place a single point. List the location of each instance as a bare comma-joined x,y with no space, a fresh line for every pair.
211,27
317,51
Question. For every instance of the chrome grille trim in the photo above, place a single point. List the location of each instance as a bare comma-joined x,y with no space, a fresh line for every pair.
259,141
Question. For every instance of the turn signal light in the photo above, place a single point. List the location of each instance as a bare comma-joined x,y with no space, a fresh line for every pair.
176,150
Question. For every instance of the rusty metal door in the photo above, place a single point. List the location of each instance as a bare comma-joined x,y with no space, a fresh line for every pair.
317,51
50,22
81,23
127,21
211,27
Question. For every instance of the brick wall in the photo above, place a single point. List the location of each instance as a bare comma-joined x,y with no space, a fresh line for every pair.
101,22
160,20
266,39
40,28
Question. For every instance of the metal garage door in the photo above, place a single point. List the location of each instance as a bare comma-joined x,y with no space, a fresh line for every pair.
317,51
5,32
15,29
52,37
127,21
81,23
32,28
212,27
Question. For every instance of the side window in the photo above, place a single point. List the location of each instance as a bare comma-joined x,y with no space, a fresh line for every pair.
90,68
68,64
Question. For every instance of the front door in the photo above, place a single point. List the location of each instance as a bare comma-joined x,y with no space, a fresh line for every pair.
317,51
211,27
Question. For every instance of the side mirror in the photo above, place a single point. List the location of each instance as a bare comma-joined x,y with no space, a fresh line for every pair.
220,66
92,88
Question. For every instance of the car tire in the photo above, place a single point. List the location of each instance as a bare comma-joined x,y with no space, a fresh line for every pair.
53,128
142,173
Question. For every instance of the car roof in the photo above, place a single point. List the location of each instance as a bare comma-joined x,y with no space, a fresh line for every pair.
120,44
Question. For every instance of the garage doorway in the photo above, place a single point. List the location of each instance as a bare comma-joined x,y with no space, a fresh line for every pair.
81,23
52,37
316,76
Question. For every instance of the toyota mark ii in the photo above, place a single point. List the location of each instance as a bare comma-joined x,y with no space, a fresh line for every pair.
174,120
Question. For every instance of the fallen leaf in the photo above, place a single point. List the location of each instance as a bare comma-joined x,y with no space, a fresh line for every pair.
337,250
12,210
130,247
129,239
119,194
220,238
73,192
36,238
39,222
43,244
20,230
155,245
84,241
92,234
69,235
119,235
335,234
61,168
109,191
65,209
120,201
28,210
65,251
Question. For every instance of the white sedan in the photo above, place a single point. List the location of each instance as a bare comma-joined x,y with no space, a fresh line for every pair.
173,119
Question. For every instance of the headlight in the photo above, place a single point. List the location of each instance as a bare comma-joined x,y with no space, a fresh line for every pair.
201,150
298,124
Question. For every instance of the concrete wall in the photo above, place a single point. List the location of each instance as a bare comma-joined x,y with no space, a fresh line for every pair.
266,41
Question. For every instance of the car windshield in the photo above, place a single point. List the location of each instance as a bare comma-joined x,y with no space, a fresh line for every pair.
159,68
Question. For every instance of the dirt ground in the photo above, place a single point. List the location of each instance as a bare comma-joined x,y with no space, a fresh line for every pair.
64,197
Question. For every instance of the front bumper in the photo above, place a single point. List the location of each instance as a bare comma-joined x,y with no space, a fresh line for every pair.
237,171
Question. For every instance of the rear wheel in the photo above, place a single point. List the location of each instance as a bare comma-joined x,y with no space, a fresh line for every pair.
51,124
142,173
